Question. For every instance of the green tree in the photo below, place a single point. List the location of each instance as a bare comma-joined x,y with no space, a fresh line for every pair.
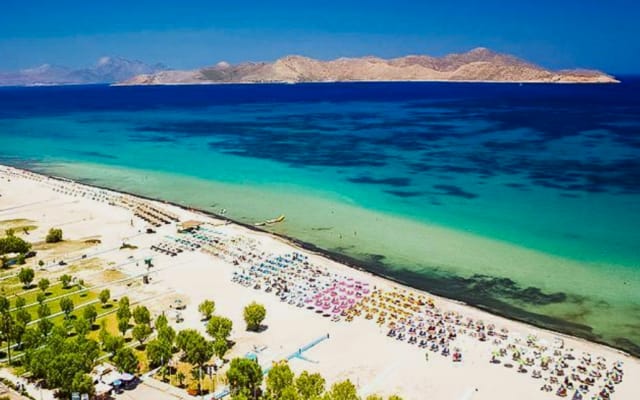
254,314
22,319
310,386
31,338
43,284
44,326
20,302
219,327
374,397
7,324
82,383
141,315
290,393
126,360
197,351
158,352
23,316
14,244
90,314
220,347
104,296
103,334
161,321
61,361
395,397
244,377
141,332
5,305
43,311
81,326
124,310
41,297
180,376
54,236
10,232
66,305
123,326
167,334
279,378
19,328
111,344
26,276
206,308
66,280
21,259
344,390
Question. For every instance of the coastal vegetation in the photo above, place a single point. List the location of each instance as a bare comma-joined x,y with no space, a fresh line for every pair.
206,308
26,276
54,235
245,381
13,244
254,314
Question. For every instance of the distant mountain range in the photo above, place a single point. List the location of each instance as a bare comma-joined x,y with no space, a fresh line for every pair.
106,70
479,64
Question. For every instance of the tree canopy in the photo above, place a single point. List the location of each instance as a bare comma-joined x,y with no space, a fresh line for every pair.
206,308
63,362
219,327
344,390
310,386
54,236
141,315
245,377
14,244
197,351
254,314
158,352
43,284
66,280
279,378
66,305
141,332
126,360
104,296
26,276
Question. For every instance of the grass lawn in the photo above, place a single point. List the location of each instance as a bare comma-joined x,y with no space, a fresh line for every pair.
111,325
18,225
54,290
79,299
209,385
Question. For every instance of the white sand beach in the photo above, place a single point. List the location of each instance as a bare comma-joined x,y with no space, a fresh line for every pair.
362,339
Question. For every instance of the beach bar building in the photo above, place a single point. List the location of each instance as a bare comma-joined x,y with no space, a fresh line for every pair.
189,226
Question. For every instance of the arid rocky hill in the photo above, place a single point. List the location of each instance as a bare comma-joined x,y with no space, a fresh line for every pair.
476,65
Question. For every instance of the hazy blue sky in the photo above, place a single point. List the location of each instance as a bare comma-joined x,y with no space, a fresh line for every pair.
186,34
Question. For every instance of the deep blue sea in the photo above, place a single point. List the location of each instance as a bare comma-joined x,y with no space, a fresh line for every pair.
520,199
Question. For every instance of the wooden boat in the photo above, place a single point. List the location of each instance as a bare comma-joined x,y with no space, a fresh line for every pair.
270,221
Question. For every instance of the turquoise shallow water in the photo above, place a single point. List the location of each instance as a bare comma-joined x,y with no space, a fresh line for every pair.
521,200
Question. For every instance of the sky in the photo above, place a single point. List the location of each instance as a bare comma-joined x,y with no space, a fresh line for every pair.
189,34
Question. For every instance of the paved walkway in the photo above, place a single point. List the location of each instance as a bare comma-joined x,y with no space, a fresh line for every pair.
36,393
153,389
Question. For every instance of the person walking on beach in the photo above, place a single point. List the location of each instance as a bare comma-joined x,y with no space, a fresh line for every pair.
426,357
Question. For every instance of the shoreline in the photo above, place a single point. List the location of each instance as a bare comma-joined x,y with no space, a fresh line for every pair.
212,83
234,264
377,269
